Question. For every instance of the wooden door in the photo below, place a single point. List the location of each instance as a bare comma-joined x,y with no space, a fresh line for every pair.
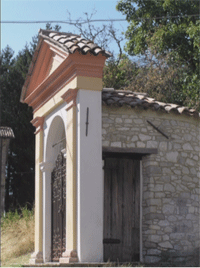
121,209
58,208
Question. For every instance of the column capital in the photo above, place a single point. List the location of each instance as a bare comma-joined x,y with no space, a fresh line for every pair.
38,123
70,96
46,166
64,152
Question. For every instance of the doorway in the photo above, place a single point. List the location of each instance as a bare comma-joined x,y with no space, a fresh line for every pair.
121,209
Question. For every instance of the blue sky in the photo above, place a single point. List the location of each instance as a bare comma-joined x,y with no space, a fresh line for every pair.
17,35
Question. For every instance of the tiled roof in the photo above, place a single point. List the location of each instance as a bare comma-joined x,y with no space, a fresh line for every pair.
132,99
72,42
6,132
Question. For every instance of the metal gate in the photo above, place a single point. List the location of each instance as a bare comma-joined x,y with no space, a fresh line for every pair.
58,182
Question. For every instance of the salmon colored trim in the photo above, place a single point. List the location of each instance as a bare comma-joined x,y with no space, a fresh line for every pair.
70,96
74,65
38,123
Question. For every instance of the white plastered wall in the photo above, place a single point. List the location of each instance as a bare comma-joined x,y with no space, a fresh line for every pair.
54,131
89,177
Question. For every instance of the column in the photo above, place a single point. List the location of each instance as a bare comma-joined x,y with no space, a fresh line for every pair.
46,168
37,256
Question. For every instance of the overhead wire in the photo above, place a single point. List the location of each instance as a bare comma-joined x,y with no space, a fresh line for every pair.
73,22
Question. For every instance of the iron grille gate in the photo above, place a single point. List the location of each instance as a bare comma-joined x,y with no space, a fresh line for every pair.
58,181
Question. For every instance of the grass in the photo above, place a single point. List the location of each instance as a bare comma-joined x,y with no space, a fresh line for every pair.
17,238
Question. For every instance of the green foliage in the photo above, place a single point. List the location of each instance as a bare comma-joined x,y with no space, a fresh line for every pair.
14,216
20,167
119,74
167,30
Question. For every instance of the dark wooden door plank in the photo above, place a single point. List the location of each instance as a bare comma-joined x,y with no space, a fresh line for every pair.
121,209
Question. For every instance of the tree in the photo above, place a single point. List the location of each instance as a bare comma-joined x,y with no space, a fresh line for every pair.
167,30
20,167
21,157
102,35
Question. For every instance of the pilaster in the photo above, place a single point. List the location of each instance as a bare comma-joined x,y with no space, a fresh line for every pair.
37,256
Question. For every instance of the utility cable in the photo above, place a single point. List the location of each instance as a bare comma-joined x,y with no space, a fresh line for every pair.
97,20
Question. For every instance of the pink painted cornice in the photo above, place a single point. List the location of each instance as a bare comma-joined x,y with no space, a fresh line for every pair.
38,123
42,87
70,96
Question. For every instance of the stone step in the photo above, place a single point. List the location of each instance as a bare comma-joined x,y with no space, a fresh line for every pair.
85,264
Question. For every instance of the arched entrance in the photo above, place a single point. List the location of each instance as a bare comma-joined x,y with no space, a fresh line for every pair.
54,188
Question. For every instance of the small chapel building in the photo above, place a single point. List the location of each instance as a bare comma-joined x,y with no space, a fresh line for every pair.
116,172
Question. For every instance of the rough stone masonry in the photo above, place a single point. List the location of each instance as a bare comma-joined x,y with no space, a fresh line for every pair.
170,202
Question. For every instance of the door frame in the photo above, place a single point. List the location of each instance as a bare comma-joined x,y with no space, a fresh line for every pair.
136,153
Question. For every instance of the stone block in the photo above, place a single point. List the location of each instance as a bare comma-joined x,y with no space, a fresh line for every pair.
107,120
144,137
176,236
134,138
185,170
123,129
165,237
138,121
141,144
172,218
190,162
163,223
153,251
165,244
153,170
163,146
168,229
167,171
152,144
159,195
148,195
154,202
128,121
155,238
172,156
151,259
187,147
118,120
148,244
105,143
192,217
169,188
168,209
116,144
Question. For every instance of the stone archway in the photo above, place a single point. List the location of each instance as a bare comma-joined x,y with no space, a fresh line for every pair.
54,143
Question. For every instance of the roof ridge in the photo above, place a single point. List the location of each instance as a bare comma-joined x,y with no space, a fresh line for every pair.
59,33
117,98
78,43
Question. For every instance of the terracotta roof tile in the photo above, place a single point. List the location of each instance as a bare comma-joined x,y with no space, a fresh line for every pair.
133,99
71,43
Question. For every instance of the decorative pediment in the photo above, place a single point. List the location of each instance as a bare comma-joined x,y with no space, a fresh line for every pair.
58,59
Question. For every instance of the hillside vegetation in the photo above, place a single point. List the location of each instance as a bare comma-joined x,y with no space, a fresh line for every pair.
17,238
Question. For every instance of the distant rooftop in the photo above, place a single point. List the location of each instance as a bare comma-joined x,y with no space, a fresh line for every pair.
6,132
136,99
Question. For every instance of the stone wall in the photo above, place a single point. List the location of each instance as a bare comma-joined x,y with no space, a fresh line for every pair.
170,202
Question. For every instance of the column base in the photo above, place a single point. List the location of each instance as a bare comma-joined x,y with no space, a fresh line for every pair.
36,257
69,256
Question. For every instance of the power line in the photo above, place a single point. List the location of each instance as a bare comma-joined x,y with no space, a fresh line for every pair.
97,20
